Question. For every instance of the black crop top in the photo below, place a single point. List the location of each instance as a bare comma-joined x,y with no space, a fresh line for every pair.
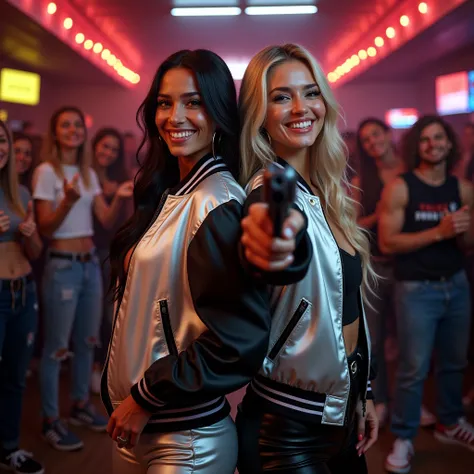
352,279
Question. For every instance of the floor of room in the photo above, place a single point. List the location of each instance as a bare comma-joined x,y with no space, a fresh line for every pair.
431,456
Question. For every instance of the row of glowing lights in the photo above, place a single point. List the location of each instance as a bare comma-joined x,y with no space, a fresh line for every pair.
98,48
363,54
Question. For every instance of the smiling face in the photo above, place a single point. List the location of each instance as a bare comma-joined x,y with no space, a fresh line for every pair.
295,110
181,117
4,148
375,140
434,145
23,155
107,150
70,130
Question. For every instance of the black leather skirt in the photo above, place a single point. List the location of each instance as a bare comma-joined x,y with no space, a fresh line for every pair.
272,443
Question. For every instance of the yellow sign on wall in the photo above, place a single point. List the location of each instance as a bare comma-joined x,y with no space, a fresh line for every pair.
21,87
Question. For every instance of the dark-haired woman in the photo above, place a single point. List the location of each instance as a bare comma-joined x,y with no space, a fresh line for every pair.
109,164
19,242
23,149
379,164
67,194
189,327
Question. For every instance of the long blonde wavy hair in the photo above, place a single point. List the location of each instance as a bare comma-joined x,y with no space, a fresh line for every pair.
9,178
51,151
327,156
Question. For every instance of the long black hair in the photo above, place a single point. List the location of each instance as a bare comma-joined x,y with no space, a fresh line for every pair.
116,171
159,170
411,142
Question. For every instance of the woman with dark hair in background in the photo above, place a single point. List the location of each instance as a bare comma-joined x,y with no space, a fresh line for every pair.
24,156
67,193
108,162
189,327
378,165
19,242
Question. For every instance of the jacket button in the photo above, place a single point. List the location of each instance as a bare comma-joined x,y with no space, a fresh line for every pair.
312,201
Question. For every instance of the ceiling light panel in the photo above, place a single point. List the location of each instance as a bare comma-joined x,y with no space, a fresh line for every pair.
205,3
279,2
282,10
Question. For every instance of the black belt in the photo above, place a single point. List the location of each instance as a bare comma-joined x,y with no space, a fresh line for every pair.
75,257
16,284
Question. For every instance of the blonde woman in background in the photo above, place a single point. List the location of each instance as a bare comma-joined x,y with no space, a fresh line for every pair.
67,194
19,242
309,410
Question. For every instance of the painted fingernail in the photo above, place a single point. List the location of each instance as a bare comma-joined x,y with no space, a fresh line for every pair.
361,437
288,233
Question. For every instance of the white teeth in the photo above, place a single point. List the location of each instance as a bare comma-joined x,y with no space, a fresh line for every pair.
301,124
181,134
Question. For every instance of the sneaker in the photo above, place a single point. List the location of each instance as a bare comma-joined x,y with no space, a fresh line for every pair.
399,460
427,419
382,414
59,437
20,462
88,416
462,434
95,382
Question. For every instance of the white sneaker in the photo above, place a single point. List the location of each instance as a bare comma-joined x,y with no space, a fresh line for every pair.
427,419
399,460
462,434
95,382
382,414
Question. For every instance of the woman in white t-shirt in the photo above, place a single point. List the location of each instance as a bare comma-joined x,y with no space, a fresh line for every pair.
67,193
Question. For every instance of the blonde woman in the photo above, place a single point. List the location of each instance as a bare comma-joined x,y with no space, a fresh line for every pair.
67,194
19,242
309,410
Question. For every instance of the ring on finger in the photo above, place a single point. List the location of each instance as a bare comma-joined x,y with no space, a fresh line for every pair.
121,440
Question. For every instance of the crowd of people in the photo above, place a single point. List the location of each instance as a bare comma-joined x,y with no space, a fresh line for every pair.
164,283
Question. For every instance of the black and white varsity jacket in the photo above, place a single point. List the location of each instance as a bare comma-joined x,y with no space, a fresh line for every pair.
191,326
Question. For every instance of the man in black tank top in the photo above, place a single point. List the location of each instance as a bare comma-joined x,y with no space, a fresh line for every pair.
425,218
379,165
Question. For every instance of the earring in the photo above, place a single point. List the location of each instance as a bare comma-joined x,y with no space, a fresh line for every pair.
266,135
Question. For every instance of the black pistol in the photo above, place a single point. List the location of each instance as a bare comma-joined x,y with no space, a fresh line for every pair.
279,187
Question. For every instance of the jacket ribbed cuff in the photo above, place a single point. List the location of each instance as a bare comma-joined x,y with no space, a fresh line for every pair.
142,395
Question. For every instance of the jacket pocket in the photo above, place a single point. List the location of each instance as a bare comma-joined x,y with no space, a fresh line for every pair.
295,319
167,329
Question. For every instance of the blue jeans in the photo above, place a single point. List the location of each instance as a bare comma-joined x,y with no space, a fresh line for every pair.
18,320
430,315
72,295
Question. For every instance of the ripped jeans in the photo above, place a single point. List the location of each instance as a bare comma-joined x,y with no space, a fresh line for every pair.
72,295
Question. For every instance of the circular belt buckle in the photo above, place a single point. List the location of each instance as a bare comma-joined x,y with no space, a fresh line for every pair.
354,367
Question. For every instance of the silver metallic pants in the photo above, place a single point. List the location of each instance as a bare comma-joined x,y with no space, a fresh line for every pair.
208,450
